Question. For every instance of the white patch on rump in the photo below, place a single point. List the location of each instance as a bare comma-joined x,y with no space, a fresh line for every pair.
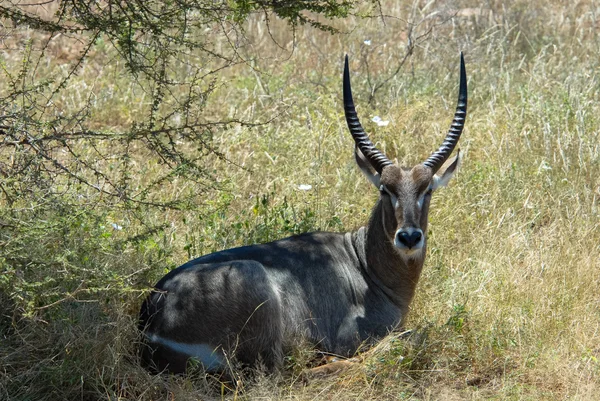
204,353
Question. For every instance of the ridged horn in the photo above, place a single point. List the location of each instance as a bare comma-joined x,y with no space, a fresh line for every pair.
375,157
435,161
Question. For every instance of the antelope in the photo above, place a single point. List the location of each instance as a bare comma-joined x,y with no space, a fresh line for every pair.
337,291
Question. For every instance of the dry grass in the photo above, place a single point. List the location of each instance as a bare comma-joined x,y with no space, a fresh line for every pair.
508,305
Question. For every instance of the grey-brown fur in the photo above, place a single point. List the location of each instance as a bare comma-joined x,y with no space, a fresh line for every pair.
336,290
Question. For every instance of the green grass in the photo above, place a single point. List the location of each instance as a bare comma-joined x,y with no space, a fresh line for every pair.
507,306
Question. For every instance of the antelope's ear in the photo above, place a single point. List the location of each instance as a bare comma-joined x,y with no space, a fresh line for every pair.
366,167
446,172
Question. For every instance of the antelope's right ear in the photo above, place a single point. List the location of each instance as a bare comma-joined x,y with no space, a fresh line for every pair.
366,167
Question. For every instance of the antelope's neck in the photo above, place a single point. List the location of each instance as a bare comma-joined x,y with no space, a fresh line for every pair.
395,274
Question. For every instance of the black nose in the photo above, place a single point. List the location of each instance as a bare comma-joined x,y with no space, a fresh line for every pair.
409,239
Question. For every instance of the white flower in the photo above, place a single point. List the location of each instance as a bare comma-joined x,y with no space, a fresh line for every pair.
379,121
544,166
116,226
367,42
304,187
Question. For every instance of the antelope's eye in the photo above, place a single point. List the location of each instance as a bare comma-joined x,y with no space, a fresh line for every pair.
424,196
384,191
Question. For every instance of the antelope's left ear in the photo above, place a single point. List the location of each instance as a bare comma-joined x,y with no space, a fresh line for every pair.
442,177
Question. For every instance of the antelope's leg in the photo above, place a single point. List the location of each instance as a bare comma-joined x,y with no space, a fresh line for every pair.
333,365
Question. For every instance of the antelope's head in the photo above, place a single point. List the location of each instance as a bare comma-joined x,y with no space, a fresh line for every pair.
405,193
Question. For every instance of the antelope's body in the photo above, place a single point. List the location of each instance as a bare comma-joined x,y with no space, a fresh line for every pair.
336,290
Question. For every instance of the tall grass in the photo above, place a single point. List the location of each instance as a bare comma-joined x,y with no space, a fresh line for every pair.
508,304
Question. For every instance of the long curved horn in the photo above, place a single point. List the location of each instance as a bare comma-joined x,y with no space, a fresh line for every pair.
377,159
435,161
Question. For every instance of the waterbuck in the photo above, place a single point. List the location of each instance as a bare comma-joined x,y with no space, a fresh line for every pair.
335,290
